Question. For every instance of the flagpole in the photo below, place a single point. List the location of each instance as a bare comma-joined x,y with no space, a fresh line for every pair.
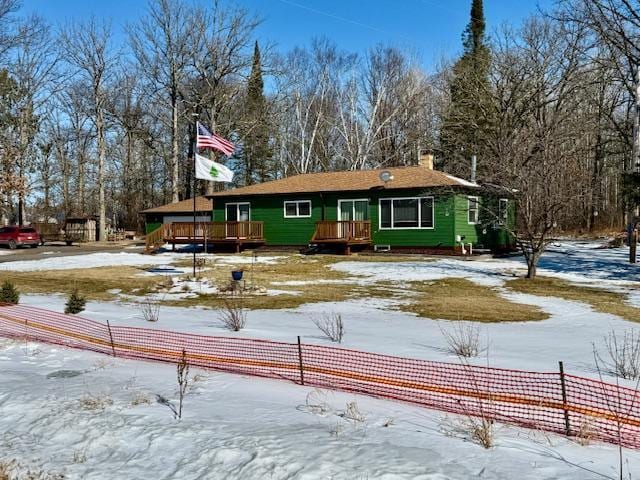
193,189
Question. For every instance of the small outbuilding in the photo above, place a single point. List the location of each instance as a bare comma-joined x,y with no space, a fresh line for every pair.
177,212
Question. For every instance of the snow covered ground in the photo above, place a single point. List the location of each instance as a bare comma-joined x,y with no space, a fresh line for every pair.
237,427
373,324
87,416
104,259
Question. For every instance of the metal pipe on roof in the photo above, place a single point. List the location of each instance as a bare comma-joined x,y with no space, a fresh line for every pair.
474,167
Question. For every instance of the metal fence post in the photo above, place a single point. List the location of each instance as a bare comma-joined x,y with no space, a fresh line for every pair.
300,361
567,426
113,348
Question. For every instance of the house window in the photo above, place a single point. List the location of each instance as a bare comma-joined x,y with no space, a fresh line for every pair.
503,210
353,210
473,210
406,213
237,212
297,209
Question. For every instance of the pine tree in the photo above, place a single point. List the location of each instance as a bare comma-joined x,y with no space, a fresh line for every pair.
257,153
468,119
75,303
9,294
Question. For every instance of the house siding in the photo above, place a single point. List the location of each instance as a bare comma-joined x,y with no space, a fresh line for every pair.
495,235
450,219
152,222
278,230
468,232
298,231
441,235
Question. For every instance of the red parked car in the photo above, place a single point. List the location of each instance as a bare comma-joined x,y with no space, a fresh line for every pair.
19,236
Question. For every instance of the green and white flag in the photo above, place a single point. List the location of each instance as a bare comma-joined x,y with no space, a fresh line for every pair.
214,172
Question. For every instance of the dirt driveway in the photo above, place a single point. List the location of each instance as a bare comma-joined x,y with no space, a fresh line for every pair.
60,249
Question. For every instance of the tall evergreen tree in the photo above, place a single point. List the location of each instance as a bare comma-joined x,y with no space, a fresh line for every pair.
257,153
468,118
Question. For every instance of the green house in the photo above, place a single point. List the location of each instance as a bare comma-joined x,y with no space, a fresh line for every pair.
405,208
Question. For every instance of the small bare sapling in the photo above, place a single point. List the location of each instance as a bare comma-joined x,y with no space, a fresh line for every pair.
331,325
317,403
353,414
622,354
481,430
150,309
476,422
182,370
233,314
463,339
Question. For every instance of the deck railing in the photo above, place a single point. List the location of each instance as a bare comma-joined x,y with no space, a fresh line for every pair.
153,240
214,231
345,230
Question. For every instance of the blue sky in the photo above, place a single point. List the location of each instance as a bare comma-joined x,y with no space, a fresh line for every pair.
430,28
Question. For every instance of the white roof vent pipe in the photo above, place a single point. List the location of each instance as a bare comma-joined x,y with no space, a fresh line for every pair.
474,168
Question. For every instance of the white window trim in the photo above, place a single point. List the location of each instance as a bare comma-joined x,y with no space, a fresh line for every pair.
297,202
354,207
237,204
433,213
477,209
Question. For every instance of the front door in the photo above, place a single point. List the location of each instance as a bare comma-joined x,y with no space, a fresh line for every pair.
351,210
237,212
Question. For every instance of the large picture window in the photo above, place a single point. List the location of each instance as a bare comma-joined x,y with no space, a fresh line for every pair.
406,213
473,210
297,208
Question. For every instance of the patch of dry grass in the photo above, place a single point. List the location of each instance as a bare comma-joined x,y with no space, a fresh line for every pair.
307,294
14,470
602,301
383,257
295,268
461,299
94,283
95,402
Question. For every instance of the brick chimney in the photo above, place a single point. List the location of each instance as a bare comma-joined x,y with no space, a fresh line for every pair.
425,159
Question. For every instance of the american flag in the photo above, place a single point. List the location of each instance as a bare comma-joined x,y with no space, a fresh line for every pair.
206,139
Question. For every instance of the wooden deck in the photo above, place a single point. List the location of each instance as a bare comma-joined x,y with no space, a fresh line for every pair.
235,234
344,234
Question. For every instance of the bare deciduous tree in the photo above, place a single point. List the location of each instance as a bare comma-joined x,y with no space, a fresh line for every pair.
34,67
537,73
162,44
89,50
8,35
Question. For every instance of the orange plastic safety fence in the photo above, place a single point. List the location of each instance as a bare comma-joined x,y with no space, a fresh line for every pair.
530,399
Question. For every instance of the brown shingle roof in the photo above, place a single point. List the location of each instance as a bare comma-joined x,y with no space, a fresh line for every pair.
203,204
403,177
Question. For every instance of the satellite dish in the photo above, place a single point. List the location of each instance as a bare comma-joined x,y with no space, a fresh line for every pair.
386,176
